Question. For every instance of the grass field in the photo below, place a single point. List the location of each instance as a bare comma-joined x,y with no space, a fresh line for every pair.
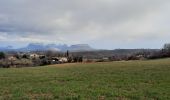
131,80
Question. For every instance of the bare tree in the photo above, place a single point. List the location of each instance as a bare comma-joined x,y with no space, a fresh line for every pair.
167,47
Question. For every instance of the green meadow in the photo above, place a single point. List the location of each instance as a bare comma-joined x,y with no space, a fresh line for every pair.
122,80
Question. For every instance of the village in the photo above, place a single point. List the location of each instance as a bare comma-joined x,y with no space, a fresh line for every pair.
30,59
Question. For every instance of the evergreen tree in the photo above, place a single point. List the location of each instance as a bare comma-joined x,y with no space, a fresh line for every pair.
2,55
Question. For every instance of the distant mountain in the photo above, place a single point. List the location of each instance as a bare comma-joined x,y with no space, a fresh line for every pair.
8,48
33,47
36,46
64,47
80,47
55,47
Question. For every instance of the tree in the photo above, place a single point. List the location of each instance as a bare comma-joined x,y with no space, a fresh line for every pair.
2,55
25,56
167,47
67,53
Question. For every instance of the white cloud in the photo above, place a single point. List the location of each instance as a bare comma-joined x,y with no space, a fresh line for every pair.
85,21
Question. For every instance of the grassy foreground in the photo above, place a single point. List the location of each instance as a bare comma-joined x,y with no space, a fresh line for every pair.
95,81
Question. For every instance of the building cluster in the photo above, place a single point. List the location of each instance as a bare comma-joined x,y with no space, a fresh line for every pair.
31,59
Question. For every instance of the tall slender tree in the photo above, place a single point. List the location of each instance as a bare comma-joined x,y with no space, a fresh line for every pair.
67,53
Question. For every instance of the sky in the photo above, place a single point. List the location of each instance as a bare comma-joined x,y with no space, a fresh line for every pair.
104,24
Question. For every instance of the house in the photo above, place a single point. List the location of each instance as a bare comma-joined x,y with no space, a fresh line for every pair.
105,59
34,56
11,58
63,59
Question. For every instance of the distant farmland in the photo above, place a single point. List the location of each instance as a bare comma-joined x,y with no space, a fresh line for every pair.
122,80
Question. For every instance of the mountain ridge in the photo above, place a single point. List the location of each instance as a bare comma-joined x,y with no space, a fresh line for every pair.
54,47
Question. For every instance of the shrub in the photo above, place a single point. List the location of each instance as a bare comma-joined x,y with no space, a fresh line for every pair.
2,55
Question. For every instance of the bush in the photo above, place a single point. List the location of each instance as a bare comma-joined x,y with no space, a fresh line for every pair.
25,56
2,55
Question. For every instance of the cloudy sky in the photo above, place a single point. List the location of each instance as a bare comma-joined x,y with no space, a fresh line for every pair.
106,24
